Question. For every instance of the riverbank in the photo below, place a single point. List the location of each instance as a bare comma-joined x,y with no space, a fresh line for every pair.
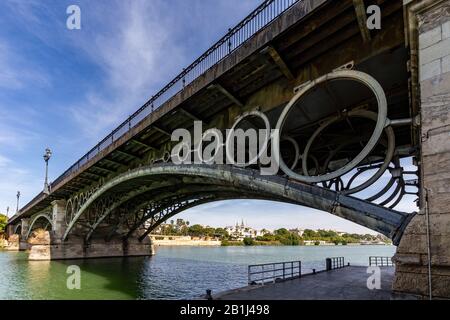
227,243
159,240
3,243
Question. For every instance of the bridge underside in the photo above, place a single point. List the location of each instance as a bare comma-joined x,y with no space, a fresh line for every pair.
136,202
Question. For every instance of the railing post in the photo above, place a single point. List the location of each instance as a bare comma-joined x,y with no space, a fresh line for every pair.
328,264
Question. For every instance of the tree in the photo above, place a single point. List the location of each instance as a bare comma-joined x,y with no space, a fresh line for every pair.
221,233
309,234
3,222
282,232
248,241
196,230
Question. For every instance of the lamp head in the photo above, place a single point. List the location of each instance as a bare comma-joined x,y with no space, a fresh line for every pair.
47,154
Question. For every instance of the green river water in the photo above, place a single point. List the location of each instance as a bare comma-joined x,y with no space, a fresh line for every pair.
173,273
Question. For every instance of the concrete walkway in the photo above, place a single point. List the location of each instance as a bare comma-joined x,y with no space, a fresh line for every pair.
348,283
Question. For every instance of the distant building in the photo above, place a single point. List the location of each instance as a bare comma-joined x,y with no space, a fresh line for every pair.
315,242
239,232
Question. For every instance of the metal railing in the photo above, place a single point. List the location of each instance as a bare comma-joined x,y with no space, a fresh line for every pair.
272,272
335,263
253,23
381,261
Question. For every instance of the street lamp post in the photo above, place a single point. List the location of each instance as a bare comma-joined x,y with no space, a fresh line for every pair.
18,198
7,211
47,156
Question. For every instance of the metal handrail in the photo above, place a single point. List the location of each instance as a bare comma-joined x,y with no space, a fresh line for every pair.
271,272
335,263
253,23
380,261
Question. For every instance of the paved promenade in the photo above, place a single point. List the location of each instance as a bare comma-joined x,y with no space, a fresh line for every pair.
343,284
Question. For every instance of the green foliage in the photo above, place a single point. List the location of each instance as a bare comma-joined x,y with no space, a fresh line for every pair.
196,230
3,222
279,237
248,242
226,243
287,238
221,233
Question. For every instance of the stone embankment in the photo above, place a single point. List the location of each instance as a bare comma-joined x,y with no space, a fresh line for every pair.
158,240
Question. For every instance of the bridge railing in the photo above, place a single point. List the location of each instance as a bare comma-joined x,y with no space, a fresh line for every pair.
254,22
335,263
272,272
380,261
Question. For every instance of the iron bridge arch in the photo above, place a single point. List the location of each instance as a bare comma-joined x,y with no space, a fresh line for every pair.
35,219
141,199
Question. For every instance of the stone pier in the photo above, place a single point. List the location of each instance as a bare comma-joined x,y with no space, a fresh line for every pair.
23,245
47,245
423,256
73,249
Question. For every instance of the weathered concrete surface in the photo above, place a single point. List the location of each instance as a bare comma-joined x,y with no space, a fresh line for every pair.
97,249
349,283
433,21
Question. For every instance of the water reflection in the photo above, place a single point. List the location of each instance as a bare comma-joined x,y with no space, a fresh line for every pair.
38,278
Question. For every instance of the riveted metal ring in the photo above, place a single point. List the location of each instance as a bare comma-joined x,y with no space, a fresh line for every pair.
230,134
357,76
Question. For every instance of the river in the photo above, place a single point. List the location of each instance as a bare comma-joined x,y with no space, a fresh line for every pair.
173,273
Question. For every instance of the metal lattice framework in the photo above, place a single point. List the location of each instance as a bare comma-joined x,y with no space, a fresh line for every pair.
217,181
34,222
150,195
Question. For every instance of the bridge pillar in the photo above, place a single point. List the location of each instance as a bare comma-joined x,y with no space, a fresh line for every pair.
23,245
58,220
76,248
423,256
10,230
13,240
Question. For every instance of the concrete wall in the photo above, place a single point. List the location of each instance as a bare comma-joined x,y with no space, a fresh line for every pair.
433,27
184,241
96,249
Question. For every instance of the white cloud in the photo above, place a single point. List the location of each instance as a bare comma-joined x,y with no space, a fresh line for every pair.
14,178
13,65
137,53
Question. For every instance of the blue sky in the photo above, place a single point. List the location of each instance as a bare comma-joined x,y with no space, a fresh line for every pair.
67,89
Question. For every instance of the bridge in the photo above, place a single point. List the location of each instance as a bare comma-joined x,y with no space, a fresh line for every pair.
345,105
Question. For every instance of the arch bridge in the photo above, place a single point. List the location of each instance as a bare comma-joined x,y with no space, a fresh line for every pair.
354,123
